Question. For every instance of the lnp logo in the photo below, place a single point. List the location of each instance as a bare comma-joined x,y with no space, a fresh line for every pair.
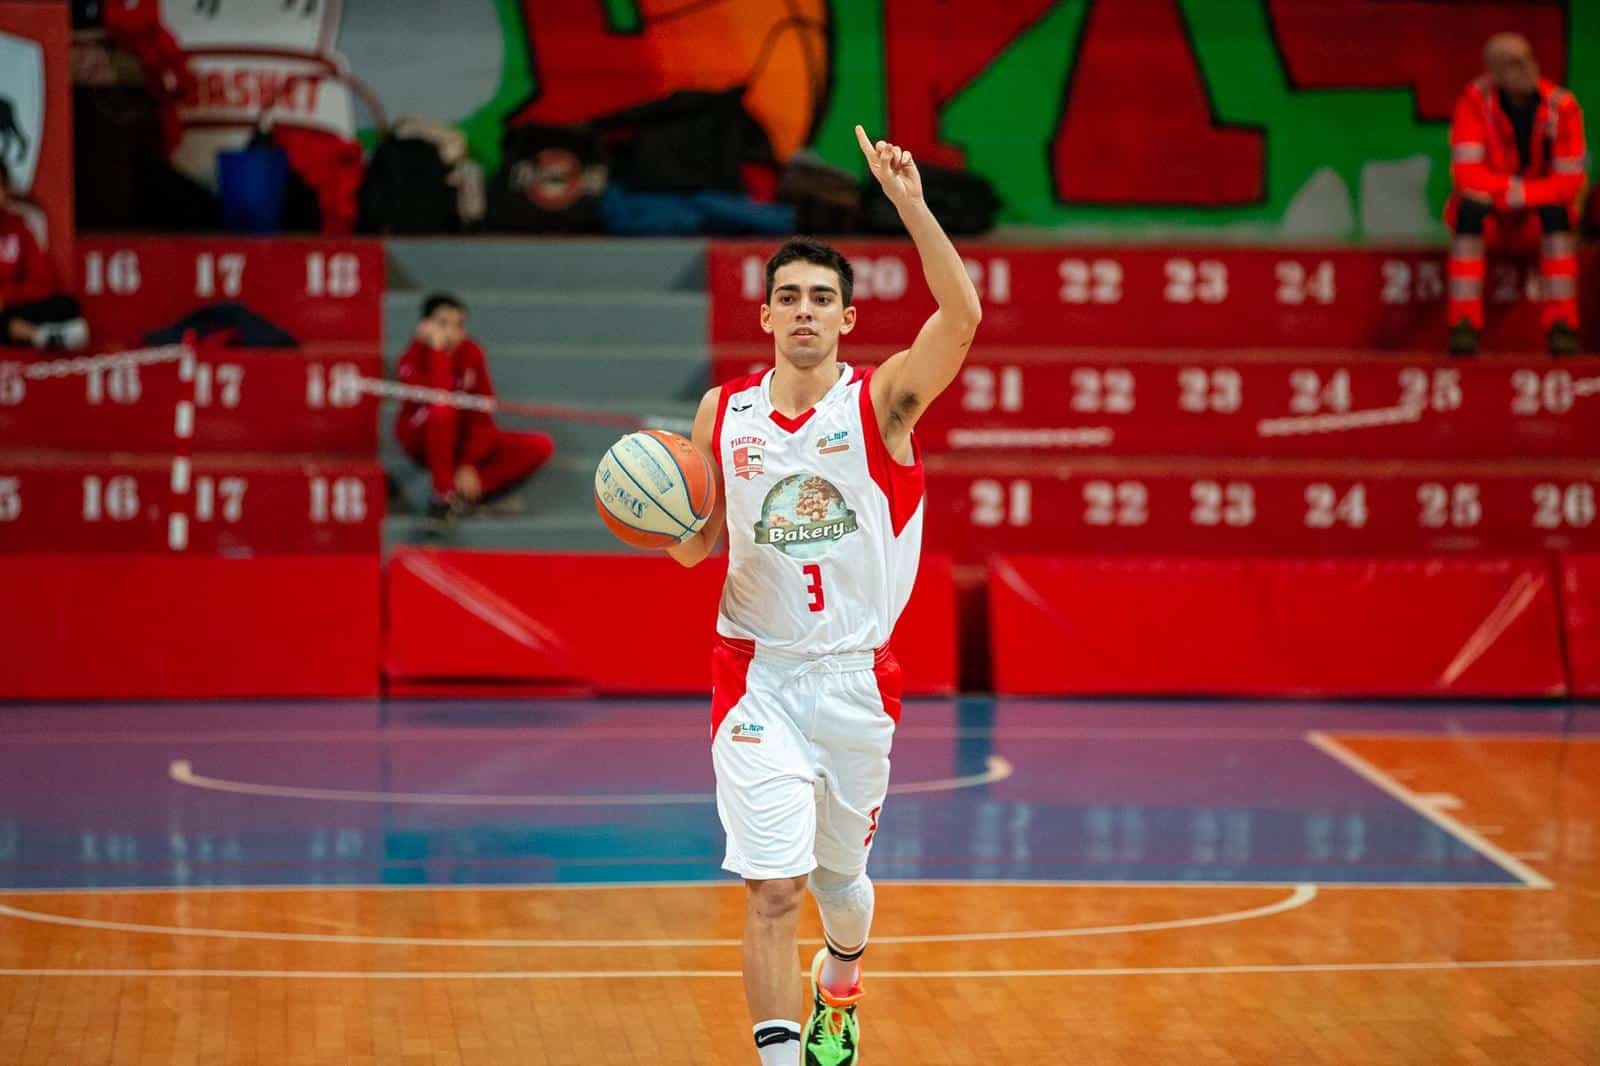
21,108
834,442
747,457
804,516
747,732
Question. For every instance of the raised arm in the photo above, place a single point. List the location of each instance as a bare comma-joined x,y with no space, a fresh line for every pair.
910,380
695,548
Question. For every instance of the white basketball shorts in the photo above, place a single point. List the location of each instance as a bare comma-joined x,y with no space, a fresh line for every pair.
801,751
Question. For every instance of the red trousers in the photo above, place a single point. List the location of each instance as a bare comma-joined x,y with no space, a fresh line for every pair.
1546,231
444,438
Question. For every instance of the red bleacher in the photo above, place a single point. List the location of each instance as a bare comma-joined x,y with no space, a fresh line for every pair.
233,505
1269,404
322,292
208,526
264,401
1224,299
1152,506
1200,438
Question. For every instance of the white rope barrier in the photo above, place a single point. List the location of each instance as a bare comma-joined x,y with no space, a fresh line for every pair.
89,364
1305,425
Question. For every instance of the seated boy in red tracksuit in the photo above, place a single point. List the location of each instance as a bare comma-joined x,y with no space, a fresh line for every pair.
34,312
1517,165
469,458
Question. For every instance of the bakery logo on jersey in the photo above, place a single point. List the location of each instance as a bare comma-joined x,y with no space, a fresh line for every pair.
834,442
747,453
747,732
804,516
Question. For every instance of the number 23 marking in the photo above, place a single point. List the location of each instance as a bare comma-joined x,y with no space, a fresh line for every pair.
814,586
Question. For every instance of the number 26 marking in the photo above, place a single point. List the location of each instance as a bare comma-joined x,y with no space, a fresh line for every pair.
814,586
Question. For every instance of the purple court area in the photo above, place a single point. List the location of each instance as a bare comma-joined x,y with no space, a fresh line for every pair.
519,792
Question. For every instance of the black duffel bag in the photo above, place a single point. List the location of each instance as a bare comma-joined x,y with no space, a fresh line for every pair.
963,202
550,180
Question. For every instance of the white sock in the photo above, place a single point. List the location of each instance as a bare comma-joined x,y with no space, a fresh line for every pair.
778,1042
75,334
42,334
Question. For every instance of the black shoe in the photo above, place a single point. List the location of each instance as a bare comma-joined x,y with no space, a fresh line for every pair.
1563,339
446,508
1463,338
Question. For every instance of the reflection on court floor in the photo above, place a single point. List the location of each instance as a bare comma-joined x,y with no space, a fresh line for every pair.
498,793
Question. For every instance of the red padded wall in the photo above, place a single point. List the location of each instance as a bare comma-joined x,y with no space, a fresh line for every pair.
85,627
1332,627
1580,607
604,622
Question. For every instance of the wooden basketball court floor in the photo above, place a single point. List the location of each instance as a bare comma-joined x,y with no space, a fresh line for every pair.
495,882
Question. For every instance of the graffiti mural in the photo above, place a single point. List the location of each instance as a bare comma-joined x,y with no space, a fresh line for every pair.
1323,119
1294,118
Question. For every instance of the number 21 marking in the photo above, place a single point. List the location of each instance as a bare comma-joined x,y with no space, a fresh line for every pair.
814,586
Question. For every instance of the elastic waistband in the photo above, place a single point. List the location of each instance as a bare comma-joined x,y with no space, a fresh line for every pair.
839,662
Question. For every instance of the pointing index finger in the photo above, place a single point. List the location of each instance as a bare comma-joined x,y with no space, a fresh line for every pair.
866,144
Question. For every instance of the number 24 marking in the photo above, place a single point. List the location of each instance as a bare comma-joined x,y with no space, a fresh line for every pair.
814,586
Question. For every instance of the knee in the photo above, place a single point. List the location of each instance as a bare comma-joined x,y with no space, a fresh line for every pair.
442,416
1553,218
1470,216
776,900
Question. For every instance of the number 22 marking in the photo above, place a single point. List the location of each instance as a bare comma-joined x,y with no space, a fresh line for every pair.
814,586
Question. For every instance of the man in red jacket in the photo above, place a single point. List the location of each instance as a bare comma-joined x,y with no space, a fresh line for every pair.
1518,157
33,312
469,458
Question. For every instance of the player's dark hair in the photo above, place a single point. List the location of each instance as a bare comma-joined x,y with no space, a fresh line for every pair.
437,300
5,176
811,250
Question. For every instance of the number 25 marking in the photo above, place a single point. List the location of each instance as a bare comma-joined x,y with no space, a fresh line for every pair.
814,586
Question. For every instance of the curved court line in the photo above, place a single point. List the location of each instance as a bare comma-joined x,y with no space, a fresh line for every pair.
877,975
1301,895
996,768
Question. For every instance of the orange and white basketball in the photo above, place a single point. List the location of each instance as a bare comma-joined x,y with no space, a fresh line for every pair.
654,489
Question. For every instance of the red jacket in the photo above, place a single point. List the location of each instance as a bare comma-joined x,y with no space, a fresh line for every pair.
464,370
1483,148
25,271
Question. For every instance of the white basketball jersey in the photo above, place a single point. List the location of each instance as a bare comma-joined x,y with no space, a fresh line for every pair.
824,526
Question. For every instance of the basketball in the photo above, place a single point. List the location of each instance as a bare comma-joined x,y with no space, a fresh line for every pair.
653,489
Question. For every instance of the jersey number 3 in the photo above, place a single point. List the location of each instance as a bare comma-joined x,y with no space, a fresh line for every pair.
814,586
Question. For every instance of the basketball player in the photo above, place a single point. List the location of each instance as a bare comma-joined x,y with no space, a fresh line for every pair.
820,488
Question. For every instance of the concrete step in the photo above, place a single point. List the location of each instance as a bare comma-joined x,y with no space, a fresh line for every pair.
553,532
424,264
569,475
630,376
503,316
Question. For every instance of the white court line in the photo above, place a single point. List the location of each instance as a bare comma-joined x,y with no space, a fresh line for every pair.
997,768
730,883
1301,895
1512,865
877,975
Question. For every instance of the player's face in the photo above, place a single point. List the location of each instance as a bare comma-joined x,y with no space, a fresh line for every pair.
452,325
806,314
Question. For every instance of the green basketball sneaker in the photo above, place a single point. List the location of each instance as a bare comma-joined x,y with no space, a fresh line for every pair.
832,1036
